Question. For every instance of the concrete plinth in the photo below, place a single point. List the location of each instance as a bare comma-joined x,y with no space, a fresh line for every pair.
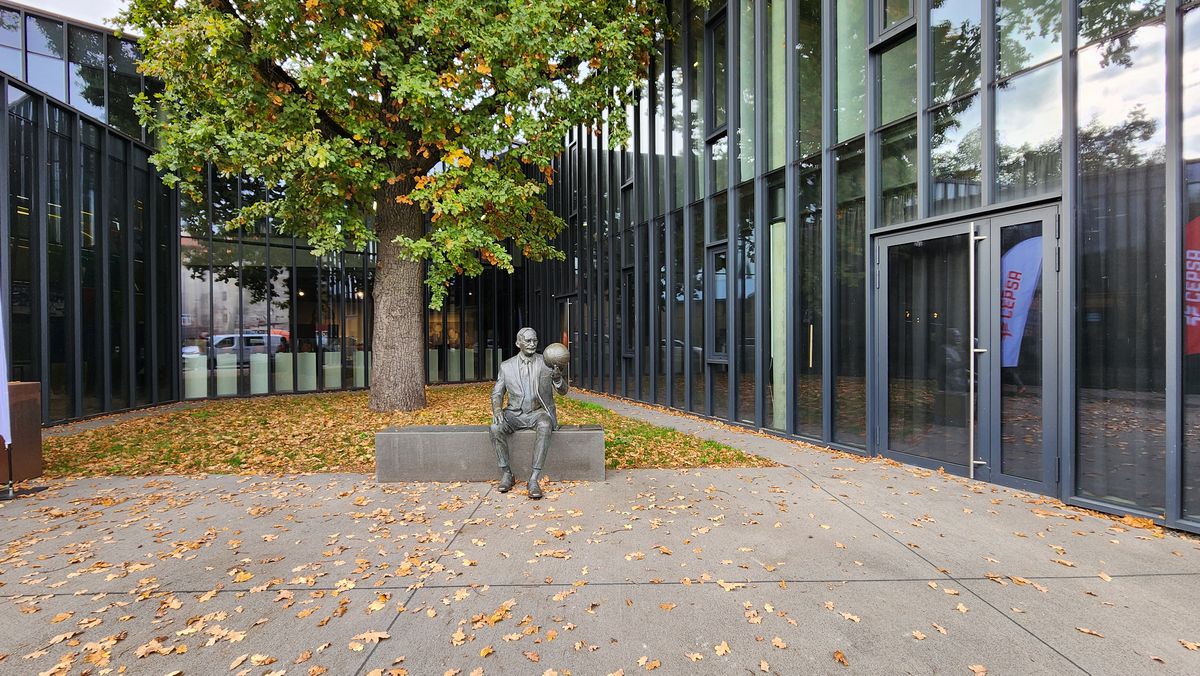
464,453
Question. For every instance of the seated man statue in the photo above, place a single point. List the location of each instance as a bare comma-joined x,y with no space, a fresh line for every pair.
530,385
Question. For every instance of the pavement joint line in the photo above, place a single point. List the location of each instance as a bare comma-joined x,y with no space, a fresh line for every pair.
413,592
568,585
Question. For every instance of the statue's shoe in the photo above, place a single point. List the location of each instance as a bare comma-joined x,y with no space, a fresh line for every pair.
506,481
535,485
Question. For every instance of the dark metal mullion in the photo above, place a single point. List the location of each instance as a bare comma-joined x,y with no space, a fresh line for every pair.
872,181
1175,219
761,228
39,244
732,121
791,238
987,102
689,265
828,211
1067,333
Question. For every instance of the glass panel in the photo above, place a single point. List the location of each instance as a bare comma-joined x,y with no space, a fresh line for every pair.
808,76
807,307
955,38
678,108
850,331
927,350
747,292
898,81
642,305
746,63
1098,18
44,36
851,68
24,207
1191,266
720,218
1121,369
10,28
308,317
895,11
645,187
774,341
776,94
1028,33
140,239
898,173
11,61
678,292
355,327
168,346
331,338
257,288
719,167
47,74
697,105
718,291
720,74
954,156
660,140
1029,134
60,305
118,274
658,284
720,390
124,83
1020,306
87,71
195,295
696,291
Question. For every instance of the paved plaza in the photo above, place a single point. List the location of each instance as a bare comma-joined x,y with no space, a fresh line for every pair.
826,564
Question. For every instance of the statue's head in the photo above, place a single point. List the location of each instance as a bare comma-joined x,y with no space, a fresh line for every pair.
527,341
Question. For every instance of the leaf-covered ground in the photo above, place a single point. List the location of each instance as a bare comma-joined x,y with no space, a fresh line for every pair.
336,433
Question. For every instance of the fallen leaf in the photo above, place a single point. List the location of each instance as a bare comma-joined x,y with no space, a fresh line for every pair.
978,669
1189,645
1063,562
667,606
918,635
961,608
940,629
764,667
722,648
532,656
486,650
1104,576
852,618
840,658
1089,632
695,657
778,643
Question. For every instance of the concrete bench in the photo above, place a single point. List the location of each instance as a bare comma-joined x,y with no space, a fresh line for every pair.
464,453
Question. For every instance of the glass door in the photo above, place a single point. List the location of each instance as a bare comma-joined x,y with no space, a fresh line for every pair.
962,333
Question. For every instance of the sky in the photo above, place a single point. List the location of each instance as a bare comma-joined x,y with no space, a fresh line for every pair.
88,11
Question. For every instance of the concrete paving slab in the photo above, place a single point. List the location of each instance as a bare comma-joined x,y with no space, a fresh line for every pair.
599,629
1139,618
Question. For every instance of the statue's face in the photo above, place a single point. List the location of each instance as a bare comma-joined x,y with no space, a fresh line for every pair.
527,343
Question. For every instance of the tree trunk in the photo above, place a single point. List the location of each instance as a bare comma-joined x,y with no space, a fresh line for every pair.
398,343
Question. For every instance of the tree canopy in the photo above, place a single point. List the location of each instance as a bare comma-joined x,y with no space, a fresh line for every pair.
453,107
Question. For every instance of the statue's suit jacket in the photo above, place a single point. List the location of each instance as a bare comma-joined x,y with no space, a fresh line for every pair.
510,381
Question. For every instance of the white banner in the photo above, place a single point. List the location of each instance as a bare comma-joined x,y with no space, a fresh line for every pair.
1020,273
5,411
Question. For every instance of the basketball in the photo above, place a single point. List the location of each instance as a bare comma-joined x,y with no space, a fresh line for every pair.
556,354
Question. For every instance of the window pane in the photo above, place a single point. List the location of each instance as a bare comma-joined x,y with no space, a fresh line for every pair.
118,271
849,337
720,218
954,154
1191,266
87,71
660,140
898,81
24,209
696,293
697,106
1028,32
775,353
746,296
895,11
679,295
954,34
746,61
140,240
658,286
851,68
47,74
808,76
195,292
898,173
10,28
720,74
777,53
1029,133
123,84
308,317
718,153
1098,18
719,293
678,108
44,36
1121,333
809,348
11,61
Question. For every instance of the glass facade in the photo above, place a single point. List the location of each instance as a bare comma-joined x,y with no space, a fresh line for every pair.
923,120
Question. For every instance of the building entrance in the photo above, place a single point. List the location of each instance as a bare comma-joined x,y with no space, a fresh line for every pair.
966,348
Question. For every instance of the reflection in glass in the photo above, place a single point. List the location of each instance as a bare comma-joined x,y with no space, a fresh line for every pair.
1021,350
1121,245
775,353
720,74
46,73
807,306
118,269
718,291
746,61
719,166
1028,33
895,11
955,39
124,83
696,292
898,173
776,90
808,76
659,286
1191,265
1029,134
23,212
139,234
697,105
720,218
11,50
58,242
86,50
1100,18
678,130
851,68
927,349
281,301
954,156
307,316
849,303
678,291
90,320
898,81
747,291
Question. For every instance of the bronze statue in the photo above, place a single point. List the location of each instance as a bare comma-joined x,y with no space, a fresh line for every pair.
530,384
